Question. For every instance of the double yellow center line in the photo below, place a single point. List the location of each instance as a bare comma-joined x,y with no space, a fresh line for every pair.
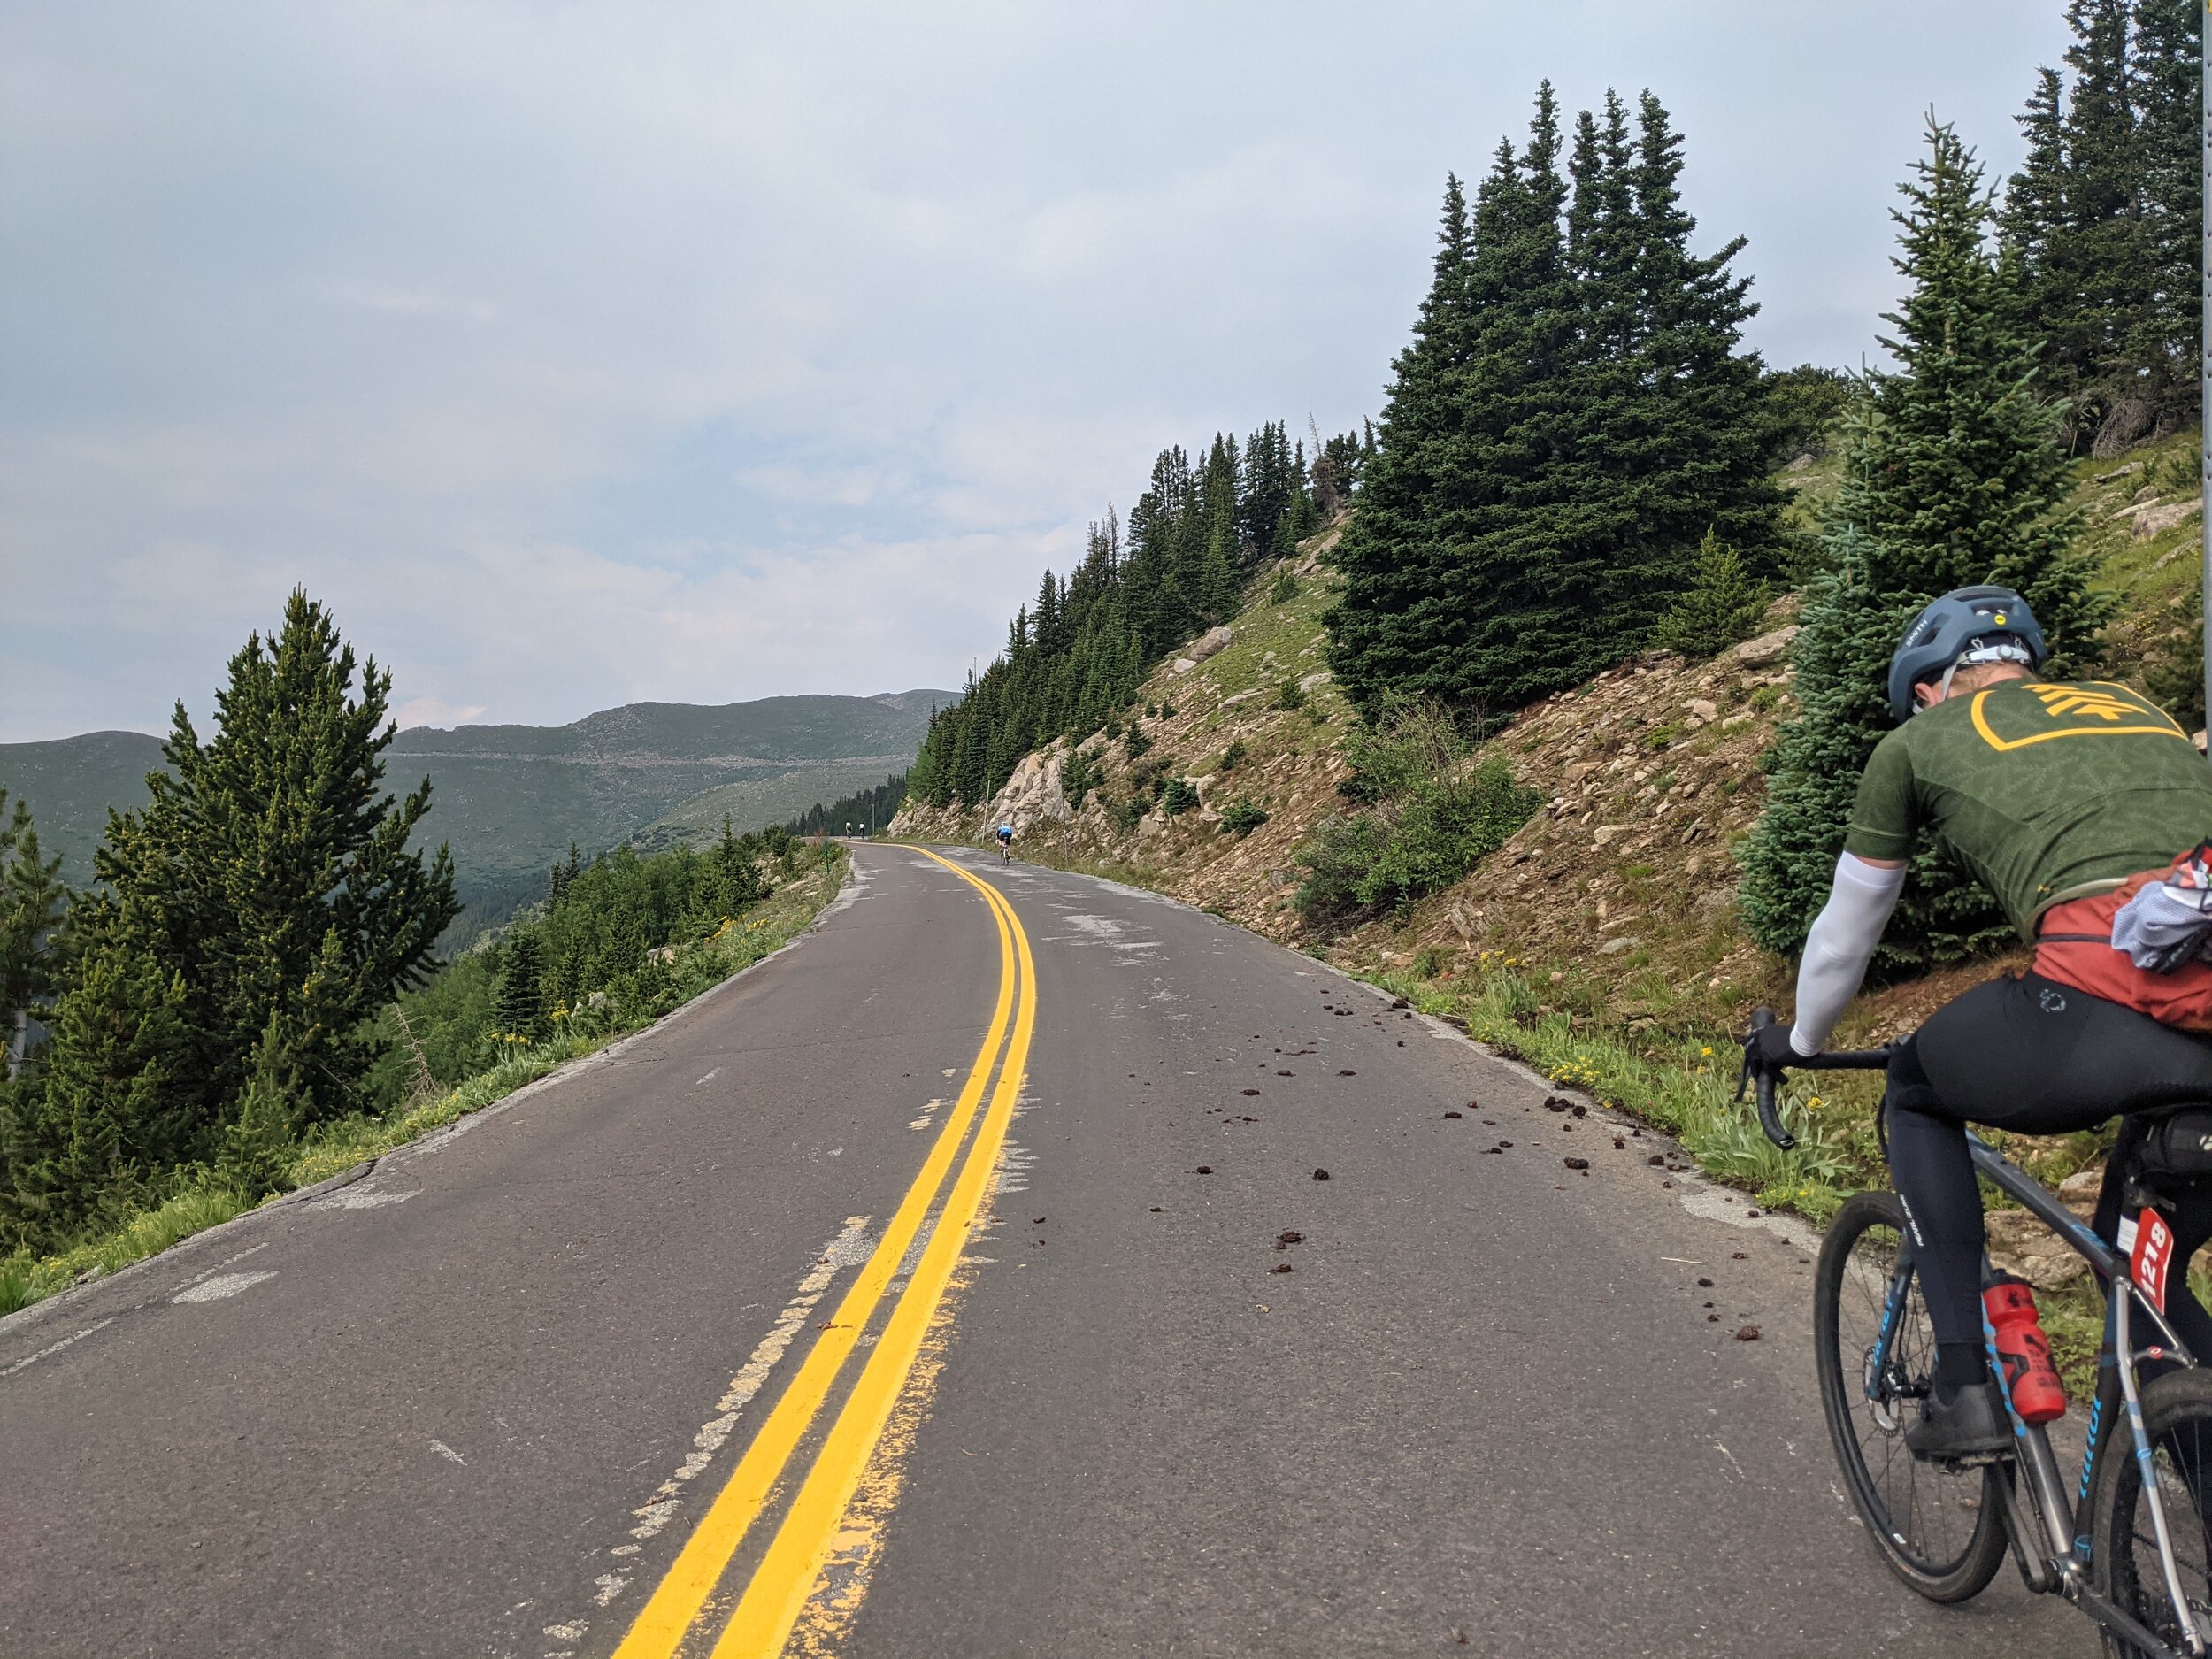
780,1584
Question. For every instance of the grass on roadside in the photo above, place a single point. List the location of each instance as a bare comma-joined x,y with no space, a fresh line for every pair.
1685,1088
338,1146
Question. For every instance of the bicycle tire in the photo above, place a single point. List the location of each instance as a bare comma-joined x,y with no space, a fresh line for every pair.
1925,1546
2177,1417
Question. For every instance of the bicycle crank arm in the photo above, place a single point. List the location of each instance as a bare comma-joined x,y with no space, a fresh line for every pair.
2037,1570
2108,1614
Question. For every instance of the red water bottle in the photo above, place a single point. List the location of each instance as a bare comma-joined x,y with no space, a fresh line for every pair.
2030,1377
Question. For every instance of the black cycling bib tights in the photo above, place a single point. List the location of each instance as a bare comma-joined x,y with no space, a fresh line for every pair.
2035,1057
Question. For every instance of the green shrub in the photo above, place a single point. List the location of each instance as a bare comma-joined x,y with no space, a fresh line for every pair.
1178,797
1139,743
1437,812
1129,811
2173,665
1242,816
1720,606
1290,697
1232,756
1285,587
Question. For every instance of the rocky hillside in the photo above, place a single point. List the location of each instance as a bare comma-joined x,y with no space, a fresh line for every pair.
1617,898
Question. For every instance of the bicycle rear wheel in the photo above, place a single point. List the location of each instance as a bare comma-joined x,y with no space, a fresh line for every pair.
1941,1531
2177,1417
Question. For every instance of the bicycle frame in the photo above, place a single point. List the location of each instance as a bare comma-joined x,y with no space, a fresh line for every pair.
2054,1553
2059,1559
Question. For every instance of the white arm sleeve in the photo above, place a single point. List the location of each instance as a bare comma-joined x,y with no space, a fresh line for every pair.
1840,946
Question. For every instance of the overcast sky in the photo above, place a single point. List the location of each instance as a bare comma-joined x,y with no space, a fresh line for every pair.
578,355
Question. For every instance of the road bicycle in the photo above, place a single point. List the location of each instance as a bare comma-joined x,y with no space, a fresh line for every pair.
2131,1544
1006,852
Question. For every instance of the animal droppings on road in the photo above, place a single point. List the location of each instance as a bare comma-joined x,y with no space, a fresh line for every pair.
1038,1222
1451,1114
1749,1333
1321,1175
1203,1169
1280,1267
1251,1091
1156,1209
1618,1144
1577,1164
1738,1255
1347,1072
1291,1236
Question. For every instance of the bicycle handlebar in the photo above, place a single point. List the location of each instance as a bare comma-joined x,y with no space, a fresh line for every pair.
1764,1076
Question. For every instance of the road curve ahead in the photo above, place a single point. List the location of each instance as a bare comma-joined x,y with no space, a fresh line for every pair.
1019,1265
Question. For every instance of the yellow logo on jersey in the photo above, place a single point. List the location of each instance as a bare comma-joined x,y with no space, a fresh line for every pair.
2099,710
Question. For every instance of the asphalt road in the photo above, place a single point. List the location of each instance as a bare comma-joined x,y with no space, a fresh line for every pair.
691,1349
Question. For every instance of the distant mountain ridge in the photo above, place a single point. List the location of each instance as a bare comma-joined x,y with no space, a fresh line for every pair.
510,799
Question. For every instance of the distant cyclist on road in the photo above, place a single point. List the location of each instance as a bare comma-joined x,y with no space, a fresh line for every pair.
2066,799
1005,833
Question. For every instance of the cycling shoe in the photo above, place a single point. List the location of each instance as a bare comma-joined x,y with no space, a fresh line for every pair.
1960,1423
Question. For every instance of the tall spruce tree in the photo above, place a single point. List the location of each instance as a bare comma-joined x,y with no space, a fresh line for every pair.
271,874
518,1005
1951,478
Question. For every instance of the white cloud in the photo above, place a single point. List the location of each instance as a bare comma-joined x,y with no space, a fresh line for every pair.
420,712
584,354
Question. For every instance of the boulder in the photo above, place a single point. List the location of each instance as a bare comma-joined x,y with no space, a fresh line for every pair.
1183,664
2150,520
1319,677
2018,1243
1768,647
1209,643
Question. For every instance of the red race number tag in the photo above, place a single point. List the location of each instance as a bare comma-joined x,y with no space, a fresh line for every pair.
2154,1252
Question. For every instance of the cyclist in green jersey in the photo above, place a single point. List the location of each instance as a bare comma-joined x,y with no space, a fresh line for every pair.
2059,797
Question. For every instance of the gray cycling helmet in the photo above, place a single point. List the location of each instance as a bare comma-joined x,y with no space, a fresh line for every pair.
1983,624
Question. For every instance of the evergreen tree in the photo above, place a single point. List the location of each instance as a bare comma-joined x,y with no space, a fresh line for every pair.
2165,76
1722,606
2102,220
1572,415
257,1144
270,874
518,1006
115,1105
1952,479
564,874
31,901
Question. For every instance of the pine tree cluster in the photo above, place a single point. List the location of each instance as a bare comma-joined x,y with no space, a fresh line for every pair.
1080,653
1573,417
2102,222
870,808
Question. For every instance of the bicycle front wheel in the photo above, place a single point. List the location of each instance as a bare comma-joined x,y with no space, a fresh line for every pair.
2178,1417
1941,1530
